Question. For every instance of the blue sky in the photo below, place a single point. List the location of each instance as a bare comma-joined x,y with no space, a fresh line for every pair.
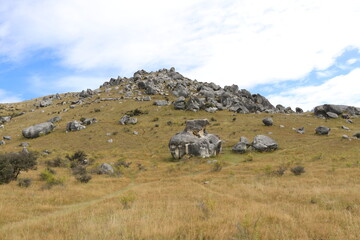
296,53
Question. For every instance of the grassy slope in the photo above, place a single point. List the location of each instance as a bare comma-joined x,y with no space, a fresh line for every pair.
242,201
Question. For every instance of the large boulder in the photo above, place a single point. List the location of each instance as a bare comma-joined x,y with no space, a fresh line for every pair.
338,109
241,146
74,126
264,143
195,141
322,130
5,119
105,168
38,130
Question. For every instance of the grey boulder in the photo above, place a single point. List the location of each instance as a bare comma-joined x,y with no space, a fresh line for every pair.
74,126
105,168
241,146
264,143
332,115
161,103
126,119
268,121
195,141
322,130
55,119
38,130
357,135
89,121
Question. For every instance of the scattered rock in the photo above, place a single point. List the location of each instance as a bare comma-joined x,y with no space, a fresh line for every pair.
349,121
268,121
24,144
7,138
264,143
126,119
357,135
5,119
88,121
195,140
55,119
161,103
38,130
241,146
109,140
345,128
46,102
299,110
300,130
105,168
322,130
74,126
136,133
2,142
346,137
281,126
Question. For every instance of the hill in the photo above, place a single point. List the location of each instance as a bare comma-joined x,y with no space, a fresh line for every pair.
229,196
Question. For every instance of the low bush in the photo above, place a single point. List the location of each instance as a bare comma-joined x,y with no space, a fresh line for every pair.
298,170
56,162
24,182
83,178
50,179
128,200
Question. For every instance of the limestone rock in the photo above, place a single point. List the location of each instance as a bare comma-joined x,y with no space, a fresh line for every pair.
195,140
38,130
268,121
126,119
322,130
74,126
264,143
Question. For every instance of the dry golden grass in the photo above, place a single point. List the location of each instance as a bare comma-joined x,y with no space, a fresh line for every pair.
186,199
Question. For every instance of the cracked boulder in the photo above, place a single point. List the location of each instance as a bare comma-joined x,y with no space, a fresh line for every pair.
38,130
195,141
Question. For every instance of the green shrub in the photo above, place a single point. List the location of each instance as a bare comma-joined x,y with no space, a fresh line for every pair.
83,178
136,112
56,162
50,179
78,158
11,164
24,182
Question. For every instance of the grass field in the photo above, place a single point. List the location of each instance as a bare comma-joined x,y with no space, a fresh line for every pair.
246,199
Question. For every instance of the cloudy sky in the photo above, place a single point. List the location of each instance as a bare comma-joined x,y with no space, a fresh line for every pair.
296,53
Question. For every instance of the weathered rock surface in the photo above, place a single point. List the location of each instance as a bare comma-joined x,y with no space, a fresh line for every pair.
195,141
322,130
55,119
5,119
161,103
337,109
268,121
38,130
7,138
74,126
241,146
105,168
264,143
89,121
126,119
357,135
332,115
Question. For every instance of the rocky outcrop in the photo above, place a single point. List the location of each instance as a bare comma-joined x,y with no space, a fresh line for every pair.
38,130
192,95
323,110
195,141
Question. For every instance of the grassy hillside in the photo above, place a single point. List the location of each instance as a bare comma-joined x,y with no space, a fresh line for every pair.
187,199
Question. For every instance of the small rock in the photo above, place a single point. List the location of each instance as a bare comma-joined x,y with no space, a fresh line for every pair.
24,144
2,142
136,133
109,140
74,126
161,103
55,119
346,137
7,138
300,130
105,168
357,135
126,119
268,121
349,121
345,128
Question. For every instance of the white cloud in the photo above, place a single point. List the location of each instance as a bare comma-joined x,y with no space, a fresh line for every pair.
243,42
8,97
342,89
351,61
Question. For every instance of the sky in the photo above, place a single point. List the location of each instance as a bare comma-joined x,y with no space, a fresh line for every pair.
296,53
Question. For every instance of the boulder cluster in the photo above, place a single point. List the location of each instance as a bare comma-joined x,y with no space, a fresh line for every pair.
334,111
191,94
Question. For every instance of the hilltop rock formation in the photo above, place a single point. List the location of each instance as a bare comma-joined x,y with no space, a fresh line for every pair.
327,110
192,95
38,130
195,141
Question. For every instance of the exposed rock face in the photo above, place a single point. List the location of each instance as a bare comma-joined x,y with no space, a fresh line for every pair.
126,119
195,140
264,143
38,130
74,126
337,109
193,95
268,121
322,130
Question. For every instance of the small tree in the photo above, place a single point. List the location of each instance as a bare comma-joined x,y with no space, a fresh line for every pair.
11,164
